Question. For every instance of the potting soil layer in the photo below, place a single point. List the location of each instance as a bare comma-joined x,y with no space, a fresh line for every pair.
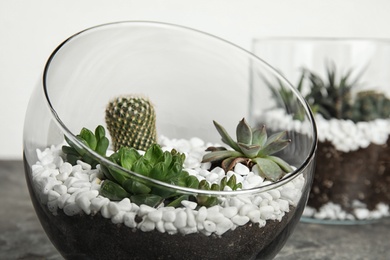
81,222
352,174
352,185
94,237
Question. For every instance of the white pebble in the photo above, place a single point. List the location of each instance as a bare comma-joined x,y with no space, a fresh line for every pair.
113,208
266,212
188,230
52,195
275,194
209,226
144,210
72,209
245,209
129,219
155,215
241,169
98,202
361,213
124,204
223,226
170,227
254,216
229,212
191,222
66,168
212,177
85,204
169,216
196,142
283,205
147,225
202,214
118,218
160,226
240,220
76,168
69,181
81,184
84,165
189,204
105,211
60,188
52,206
81,176
216,217
181,220
62,200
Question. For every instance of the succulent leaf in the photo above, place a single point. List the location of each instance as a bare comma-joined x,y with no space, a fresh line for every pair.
269,169
244,132
249,151
220,155
259,136
151,200
96,142
135,187
281,163
274,147
257,150
113,191
226,137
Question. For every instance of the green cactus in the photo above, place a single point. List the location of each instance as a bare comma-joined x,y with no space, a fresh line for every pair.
369,105
131,122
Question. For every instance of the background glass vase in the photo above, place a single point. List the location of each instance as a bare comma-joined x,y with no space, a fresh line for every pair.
191,78
352,179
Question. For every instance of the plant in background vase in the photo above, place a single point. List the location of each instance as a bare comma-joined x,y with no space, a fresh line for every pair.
352,177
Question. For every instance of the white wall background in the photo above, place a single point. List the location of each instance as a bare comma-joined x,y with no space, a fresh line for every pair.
30,30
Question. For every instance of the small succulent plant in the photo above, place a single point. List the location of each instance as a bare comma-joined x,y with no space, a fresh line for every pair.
335,99
331,96
369,105
97,142
253,148
285,98
165,166
131,121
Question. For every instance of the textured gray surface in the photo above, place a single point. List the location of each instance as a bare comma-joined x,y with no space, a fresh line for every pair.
21,236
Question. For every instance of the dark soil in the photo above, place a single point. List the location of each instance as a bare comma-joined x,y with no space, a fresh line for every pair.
94,237
341,178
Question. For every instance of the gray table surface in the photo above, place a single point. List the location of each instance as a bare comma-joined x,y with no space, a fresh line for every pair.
21,236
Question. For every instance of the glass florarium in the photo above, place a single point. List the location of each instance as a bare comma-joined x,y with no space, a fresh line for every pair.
345,81
151,141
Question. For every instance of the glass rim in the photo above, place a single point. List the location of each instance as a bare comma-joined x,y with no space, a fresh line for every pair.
185,190
335,39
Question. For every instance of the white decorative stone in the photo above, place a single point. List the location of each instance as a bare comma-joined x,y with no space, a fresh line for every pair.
75,189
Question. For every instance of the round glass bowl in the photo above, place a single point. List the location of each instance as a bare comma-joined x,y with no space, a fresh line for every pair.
352,179
191,78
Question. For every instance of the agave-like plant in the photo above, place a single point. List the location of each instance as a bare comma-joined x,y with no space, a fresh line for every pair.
253,148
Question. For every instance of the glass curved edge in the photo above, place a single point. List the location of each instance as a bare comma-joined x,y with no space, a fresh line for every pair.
310,220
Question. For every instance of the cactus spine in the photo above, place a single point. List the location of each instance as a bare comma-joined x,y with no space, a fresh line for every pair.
131,121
